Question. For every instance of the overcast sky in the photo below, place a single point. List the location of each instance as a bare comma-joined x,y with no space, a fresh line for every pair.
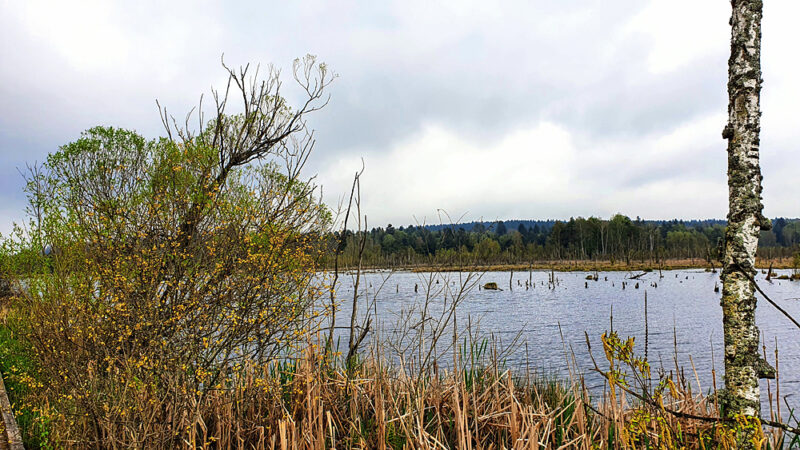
483,110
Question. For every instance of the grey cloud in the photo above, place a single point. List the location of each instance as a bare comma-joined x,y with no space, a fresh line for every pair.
478,69
627,103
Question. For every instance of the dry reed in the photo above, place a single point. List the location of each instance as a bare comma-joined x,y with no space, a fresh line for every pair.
308,404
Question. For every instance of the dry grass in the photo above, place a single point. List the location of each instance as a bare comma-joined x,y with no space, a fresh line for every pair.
602,266
309,405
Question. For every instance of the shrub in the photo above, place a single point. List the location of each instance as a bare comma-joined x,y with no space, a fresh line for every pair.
169,263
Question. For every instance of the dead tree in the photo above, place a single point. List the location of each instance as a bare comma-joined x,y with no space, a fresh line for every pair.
357,333
340,246
743,366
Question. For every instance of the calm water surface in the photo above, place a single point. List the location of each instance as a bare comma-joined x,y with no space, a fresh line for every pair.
683,307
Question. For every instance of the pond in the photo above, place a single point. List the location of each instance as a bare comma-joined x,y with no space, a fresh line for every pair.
683,313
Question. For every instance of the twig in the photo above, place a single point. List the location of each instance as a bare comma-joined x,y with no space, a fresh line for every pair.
684,415
747,275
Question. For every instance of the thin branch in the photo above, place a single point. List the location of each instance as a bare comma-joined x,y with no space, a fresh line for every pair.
758,288
684,415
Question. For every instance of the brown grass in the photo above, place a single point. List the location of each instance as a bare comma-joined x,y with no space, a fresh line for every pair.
601,266
309,405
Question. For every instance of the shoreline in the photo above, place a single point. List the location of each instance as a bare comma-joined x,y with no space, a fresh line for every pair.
579,266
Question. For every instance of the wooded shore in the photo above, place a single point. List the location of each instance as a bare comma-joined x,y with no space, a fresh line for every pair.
585,266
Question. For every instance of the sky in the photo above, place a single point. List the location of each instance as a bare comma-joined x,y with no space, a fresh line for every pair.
460,110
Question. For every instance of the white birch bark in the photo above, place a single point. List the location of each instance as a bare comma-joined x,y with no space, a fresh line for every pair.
743,367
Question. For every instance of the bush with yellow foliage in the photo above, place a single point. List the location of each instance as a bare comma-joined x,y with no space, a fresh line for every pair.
169,264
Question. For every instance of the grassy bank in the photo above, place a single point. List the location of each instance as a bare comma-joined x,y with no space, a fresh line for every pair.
16,368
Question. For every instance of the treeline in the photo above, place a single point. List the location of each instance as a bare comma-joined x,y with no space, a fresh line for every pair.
619,239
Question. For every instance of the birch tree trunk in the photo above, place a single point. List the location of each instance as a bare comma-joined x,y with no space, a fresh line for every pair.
743,366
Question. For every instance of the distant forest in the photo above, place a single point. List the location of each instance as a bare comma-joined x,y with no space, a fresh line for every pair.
618,239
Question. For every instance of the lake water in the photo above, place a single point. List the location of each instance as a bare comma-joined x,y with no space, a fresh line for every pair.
683,307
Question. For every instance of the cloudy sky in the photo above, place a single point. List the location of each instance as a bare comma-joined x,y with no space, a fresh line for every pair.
483,110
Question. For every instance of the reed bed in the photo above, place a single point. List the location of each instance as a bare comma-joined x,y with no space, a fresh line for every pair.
308,403
315,402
